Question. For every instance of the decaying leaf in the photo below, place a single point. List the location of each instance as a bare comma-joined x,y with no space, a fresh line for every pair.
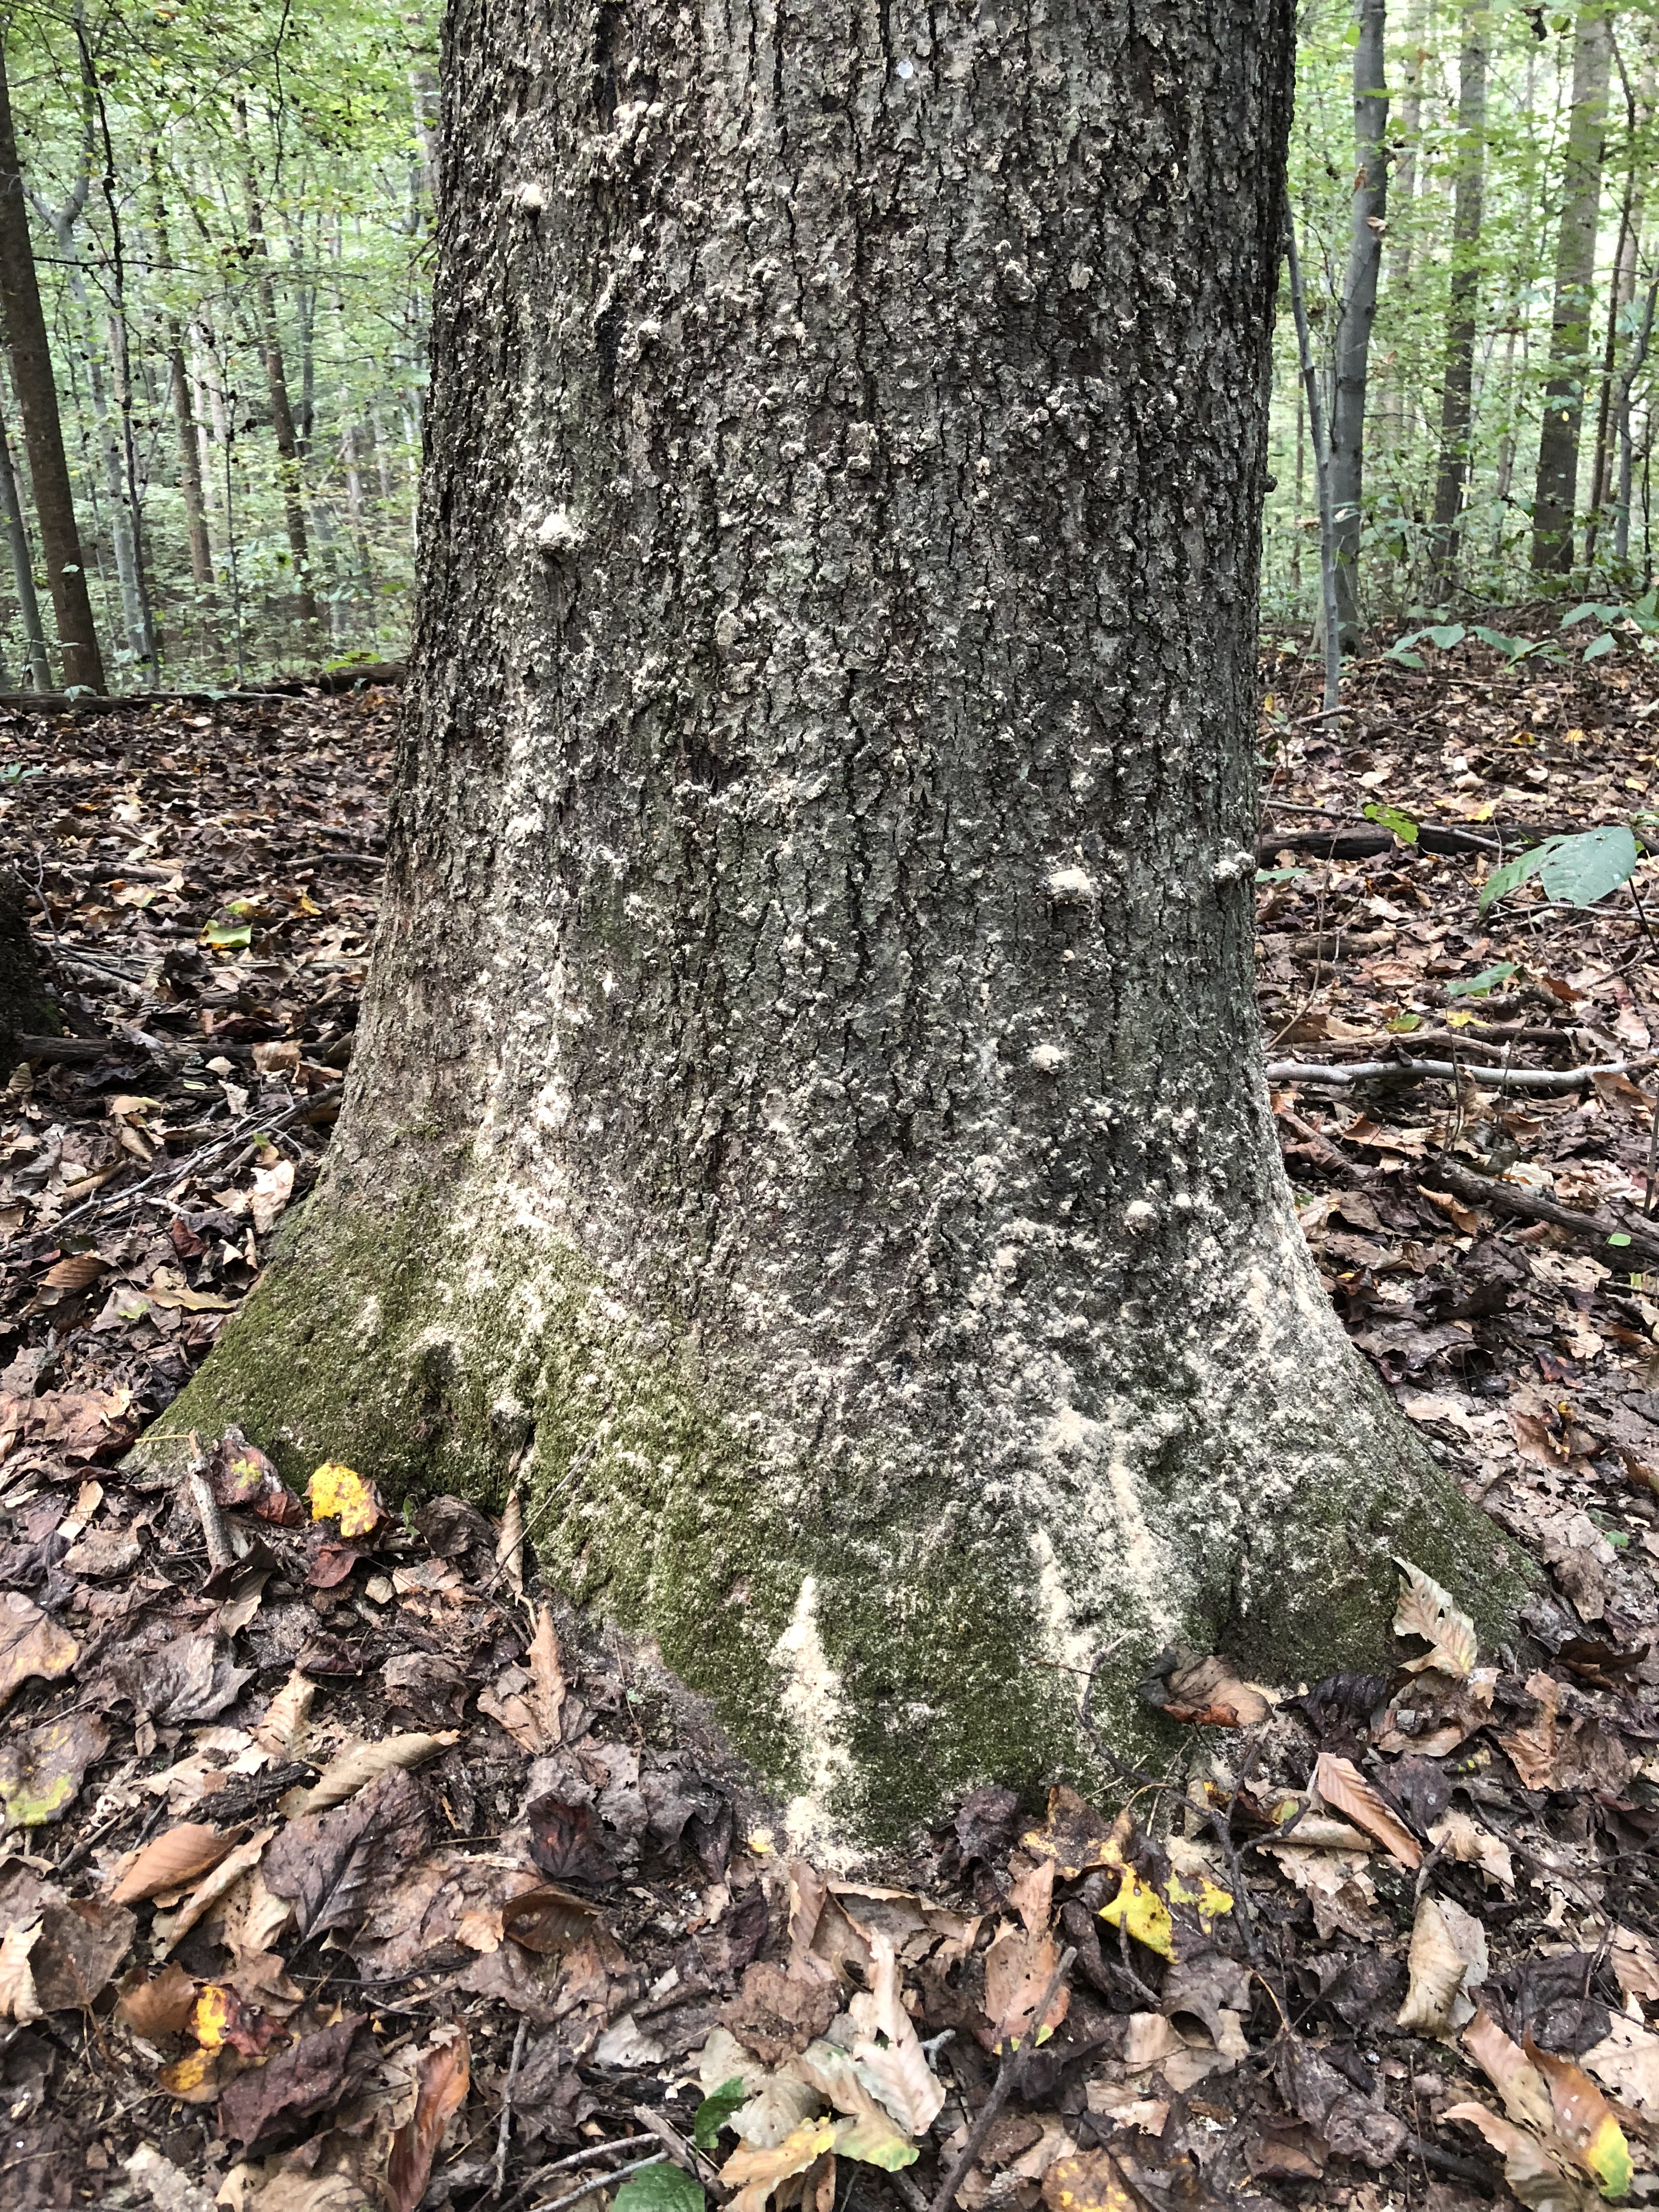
888,2049
30,1644
1627,2060
156,2004
1018,1967
218,1883
280,1729
443,2078
1555,2100
173,1860
18,1999
1448,1957
1210,1694
328,1862
241,1477
191,1678
347,1772
1341,1784
1462,1837
1540,2179
1077,1838
336,1493
1088,2182
1427,1610
1636,1964
753,2173
271,2102
41,1772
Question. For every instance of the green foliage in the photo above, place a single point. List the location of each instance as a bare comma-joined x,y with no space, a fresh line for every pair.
1478,987
1575,871
1390,817
252,156
662,2188
715,2109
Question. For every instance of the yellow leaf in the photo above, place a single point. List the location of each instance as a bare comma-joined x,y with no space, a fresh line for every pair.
191,2077
1142,1912
336,1493
1459,1021
210,2016
1210,1900
1089,2182
755,2173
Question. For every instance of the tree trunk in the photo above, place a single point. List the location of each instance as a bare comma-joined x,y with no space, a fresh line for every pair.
809,1125
1457,391
22,568
281,411
43,433
184,416
1556,493
1353,334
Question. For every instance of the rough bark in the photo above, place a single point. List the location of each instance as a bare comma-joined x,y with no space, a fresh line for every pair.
43,433
1353,331
1555,494
1457,388
808,1124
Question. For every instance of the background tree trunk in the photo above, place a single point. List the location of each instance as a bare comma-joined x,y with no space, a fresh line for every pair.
1457,391
1556,493
1353,333
37,400
808,1124
22,568
281,411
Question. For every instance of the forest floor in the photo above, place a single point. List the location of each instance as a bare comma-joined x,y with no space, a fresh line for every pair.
348,1867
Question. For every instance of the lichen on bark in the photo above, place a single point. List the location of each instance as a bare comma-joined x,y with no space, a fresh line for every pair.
808,1119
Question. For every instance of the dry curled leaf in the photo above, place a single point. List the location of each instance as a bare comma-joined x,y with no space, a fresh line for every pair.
1448,1957
1210,1694
174,1860
156,2004
1341,1784
18,1999
360,1763
442,2080
753,2173
1426,1610
30,1644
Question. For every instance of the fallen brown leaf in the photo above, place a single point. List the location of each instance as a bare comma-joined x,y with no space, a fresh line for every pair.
173,1860
1341,1784
30,1644
273,2101
443,2077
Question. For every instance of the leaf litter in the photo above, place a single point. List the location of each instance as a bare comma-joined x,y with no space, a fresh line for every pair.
487,1920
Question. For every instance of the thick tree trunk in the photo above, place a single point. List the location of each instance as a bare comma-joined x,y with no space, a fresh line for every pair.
43,433
809,1123
1457,390
1353,330
1555,495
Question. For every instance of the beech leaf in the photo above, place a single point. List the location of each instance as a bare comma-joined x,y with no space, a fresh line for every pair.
1341,1784
1426,1610
30,1644
442,2080
173,1860
347,1772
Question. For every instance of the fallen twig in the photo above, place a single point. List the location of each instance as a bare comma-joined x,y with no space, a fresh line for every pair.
599,2181
1641,1248
1448,1071
506,2128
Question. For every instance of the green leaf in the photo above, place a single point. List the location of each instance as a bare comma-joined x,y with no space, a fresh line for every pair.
1444,634
1477,987
715,2110
1277,875
1617,1238
1578,870
1513,872
1391,818
1402,1024
228,937
1598,646
662,2188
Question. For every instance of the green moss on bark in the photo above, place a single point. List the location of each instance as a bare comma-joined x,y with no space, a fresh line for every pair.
432,1358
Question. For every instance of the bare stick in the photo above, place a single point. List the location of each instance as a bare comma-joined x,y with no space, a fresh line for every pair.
600,2181
1444,1070
505,2127
1007,2080
584,2157
683,2153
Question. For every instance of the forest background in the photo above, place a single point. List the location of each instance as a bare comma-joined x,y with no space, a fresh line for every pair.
231,212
